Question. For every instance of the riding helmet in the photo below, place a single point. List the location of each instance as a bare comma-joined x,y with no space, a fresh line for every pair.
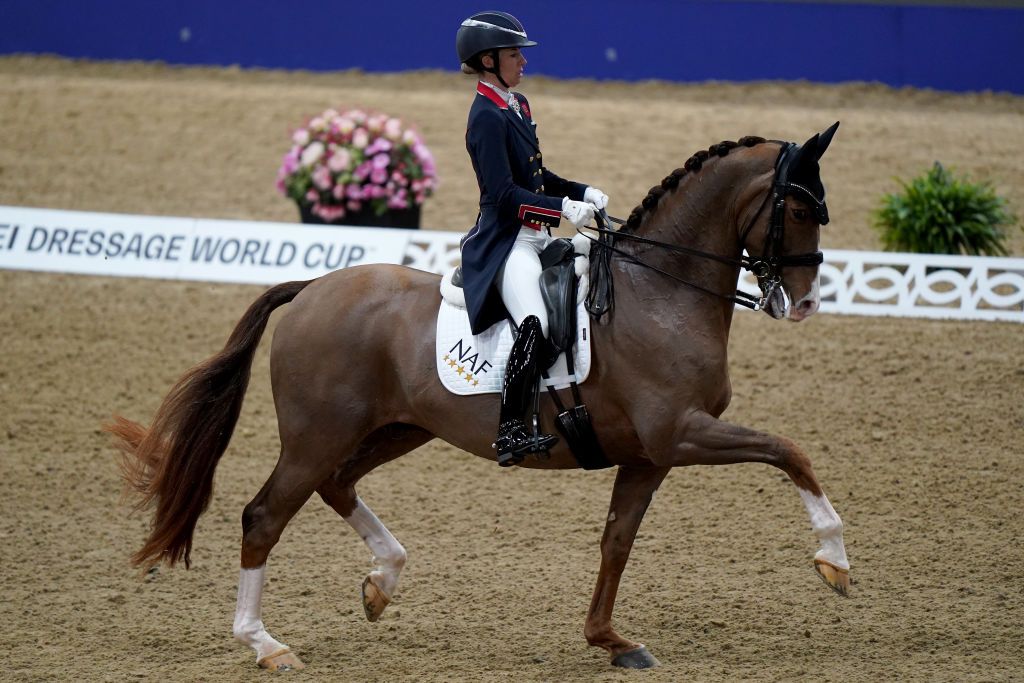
486,31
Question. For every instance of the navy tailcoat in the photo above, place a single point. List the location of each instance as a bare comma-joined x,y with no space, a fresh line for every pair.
515,190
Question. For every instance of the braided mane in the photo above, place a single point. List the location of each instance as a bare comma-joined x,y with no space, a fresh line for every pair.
671,181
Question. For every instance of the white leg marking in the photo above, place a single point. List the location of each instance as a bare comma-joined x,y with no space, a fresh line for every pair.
248,626
388,554
827,527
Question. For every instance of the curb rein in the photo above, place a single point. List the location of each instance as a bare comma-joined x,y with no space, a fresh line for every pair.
767,269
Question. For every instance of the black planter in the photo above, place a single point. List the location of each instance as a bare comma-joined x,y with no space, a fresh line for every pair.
393,218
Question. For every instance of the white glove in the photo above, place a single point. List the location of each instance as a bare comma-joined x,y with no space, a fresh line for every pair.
578,213
596,197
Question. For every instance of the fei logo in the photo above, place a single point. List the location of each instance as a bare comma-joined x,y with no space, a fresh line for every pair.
466,363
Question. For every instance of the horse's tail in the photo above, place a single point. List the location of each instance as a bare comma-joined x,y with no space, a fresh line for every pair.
171,464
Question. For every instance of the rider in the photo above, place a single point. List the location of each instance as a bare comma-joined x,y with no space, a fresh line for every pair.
520,201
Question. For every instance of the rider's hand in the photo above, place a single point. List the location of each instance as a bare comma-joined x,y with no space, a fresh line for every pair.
578,213
596,197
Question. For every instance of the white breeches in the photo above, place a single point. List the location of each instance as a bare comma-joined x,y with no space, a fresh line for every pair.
519,278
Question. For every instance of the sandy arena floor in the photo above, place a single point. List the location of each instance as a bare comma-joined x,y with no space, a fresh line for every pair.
914,426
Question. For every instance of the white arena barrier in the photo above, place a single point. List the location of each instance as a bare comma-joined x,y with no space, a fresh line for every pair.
255,252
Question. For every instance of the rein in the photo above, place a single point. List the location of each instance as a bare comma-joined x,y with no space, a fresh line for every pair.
767,268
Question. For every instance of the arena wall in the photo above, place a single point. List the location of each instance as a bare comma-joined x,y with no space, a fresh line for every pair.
958,47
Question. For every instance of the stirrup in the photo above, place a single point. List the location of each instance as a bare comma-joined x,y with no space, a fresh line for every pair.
514,443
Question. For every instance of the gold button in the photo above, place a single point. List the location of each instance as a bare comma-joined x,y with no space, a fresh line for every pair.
531,158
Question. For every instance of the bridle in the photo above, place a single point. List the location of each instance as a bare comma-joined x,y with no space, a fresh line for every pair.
767,268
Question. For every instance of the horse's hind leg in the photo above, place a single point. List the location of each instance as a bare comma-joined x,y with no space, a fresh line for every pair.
701,439
264,518
388,555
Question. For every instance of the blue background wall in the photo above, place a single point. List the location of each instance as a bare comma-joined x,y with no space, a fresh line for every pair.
944,47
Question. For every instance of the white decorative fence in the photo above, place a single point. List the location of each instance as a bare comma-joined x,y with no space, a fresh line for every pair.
852,282
921,285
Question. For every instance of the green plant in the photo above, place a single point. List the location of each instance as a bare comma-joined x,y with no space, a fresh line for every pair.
939,214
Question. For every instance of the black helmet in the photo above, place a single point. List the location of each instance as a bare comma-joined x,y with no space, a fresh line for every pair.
489,31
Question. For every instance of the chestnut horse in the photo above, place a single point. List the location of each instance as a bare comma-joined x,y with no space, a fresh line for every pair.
355,383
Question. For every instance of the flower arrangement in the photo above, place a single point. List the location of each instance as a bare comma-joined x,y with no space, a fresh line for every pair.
347,162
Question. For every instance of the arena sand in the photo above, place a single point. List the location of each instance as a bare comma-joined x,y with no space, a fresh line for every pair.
914,426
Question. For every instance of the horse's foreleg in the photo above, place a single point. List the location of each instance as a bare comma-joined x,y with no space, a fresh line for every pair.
388,555
634,488
704,440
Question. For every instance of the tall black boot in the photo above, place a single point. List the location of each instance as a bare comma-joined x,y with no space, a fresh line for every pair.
514,442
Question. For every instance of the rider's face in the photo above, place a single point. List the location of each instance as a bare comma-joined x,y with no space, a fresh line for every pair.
510,64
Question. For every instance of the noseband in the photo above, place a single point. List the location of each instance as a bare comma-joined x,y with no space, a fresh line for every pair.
767,269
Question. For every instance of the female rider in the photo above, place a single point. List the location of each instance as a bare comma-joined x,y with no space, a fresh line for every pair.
520,201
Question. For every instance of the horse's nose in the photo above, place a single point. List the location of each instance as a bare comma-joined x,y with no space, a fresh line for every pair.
804,308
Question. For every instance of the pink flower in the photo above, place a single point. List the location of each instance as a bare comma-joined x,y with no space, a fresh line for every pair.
338,191
378,145
354,205
354,191
360,138
329,213
290,161
340,160
322,178
362,170
300,137
393,128
312,195
381,161
312,154
379,176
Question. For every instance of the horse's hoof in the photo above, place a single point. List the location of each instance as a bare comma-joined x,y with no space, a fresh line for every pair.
837,579
639,658
374,600
282,660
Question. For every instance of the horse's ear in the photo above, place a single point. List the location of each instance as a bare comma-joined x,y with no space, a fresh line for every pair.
808,154
825,138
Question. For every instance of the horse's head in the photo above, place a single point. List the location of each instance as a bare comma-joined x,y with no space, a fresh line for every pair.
786,237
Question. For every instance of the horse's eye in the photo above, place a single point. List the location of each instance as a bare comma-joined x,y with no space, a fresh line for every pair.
800,214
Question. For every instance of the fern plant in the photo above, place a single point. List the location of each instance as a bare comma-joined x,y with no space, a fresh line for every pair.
939,214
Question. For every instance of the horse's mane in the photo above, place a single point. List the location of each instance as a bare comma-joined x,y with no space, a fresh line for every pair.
671,181
601,297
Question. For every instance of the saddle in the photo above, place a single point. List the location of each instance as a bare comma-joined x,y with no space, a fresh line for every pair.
562,276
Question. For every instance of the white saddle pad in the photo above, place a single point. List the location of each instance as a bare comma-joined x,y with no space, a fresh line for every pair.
469,364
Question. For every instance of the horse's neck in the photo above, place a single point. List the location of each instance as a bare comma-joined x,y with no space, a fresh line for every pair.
698,216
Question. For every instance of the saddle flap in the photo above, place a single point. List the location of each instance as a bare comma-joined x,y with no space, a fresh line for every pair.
558,289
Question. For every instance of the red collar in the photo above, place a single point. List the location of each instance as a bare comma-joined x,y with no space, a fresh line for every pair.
491,94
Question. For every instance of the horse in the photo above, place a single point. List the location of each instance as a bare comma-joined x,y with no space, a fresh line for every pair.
355,383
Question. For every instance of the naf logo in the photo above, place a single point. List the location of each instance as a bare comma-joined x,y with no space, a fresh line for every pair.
466,362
